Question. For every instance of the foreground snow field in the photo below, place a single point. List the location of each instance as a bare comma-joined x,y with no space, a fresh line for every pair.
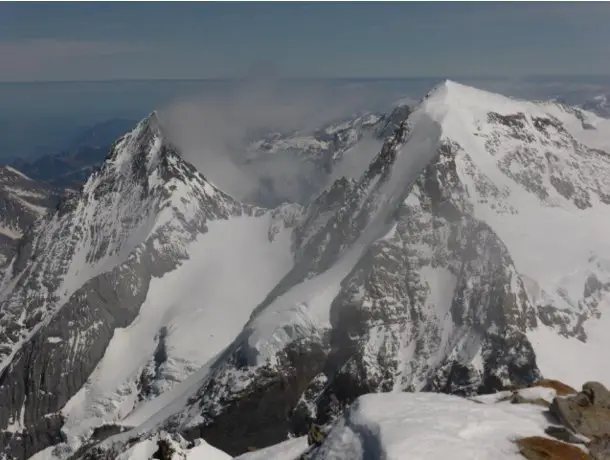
411,426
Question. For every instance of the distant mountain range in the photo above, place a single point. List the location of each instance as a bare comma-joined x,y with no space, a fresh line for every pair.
599,104
70,167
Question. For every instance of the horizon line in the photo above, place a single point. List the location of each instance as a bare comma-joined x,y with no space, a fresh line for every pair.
371,78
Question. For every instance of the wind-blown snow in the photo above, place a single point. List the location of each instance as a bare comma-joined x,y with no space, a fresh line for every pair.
356,159
201,306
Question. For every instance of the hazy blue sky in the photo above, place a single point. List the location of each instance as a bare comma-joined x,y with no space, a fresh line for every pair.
75,41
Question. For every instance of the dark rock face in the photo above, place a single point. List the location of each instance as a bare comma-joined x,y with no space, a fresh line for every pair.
261,414
334,221
42,432
563,434
164,450
388,124
88,321
151,373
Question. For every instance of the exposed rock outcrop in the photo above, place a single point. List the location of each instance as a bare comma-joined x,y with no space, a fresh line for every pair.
587,412
585,419
539,448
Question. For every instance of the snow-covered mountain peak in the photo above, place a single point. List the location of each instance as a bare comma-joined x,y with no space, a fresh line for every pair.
143,155
133,144
455,100
87,269
546,149
450,103
146,157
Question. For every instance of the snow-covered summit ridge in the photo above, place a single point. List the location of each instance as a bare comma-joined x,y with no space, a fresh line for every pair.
451,96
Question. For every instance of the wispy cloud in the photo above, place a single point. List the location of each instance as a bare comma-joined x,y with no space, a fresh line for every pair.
25,60
213,130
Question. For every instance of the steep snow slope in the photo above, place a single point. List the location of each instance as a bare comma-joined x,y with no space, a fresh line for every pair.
189,315
310,301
